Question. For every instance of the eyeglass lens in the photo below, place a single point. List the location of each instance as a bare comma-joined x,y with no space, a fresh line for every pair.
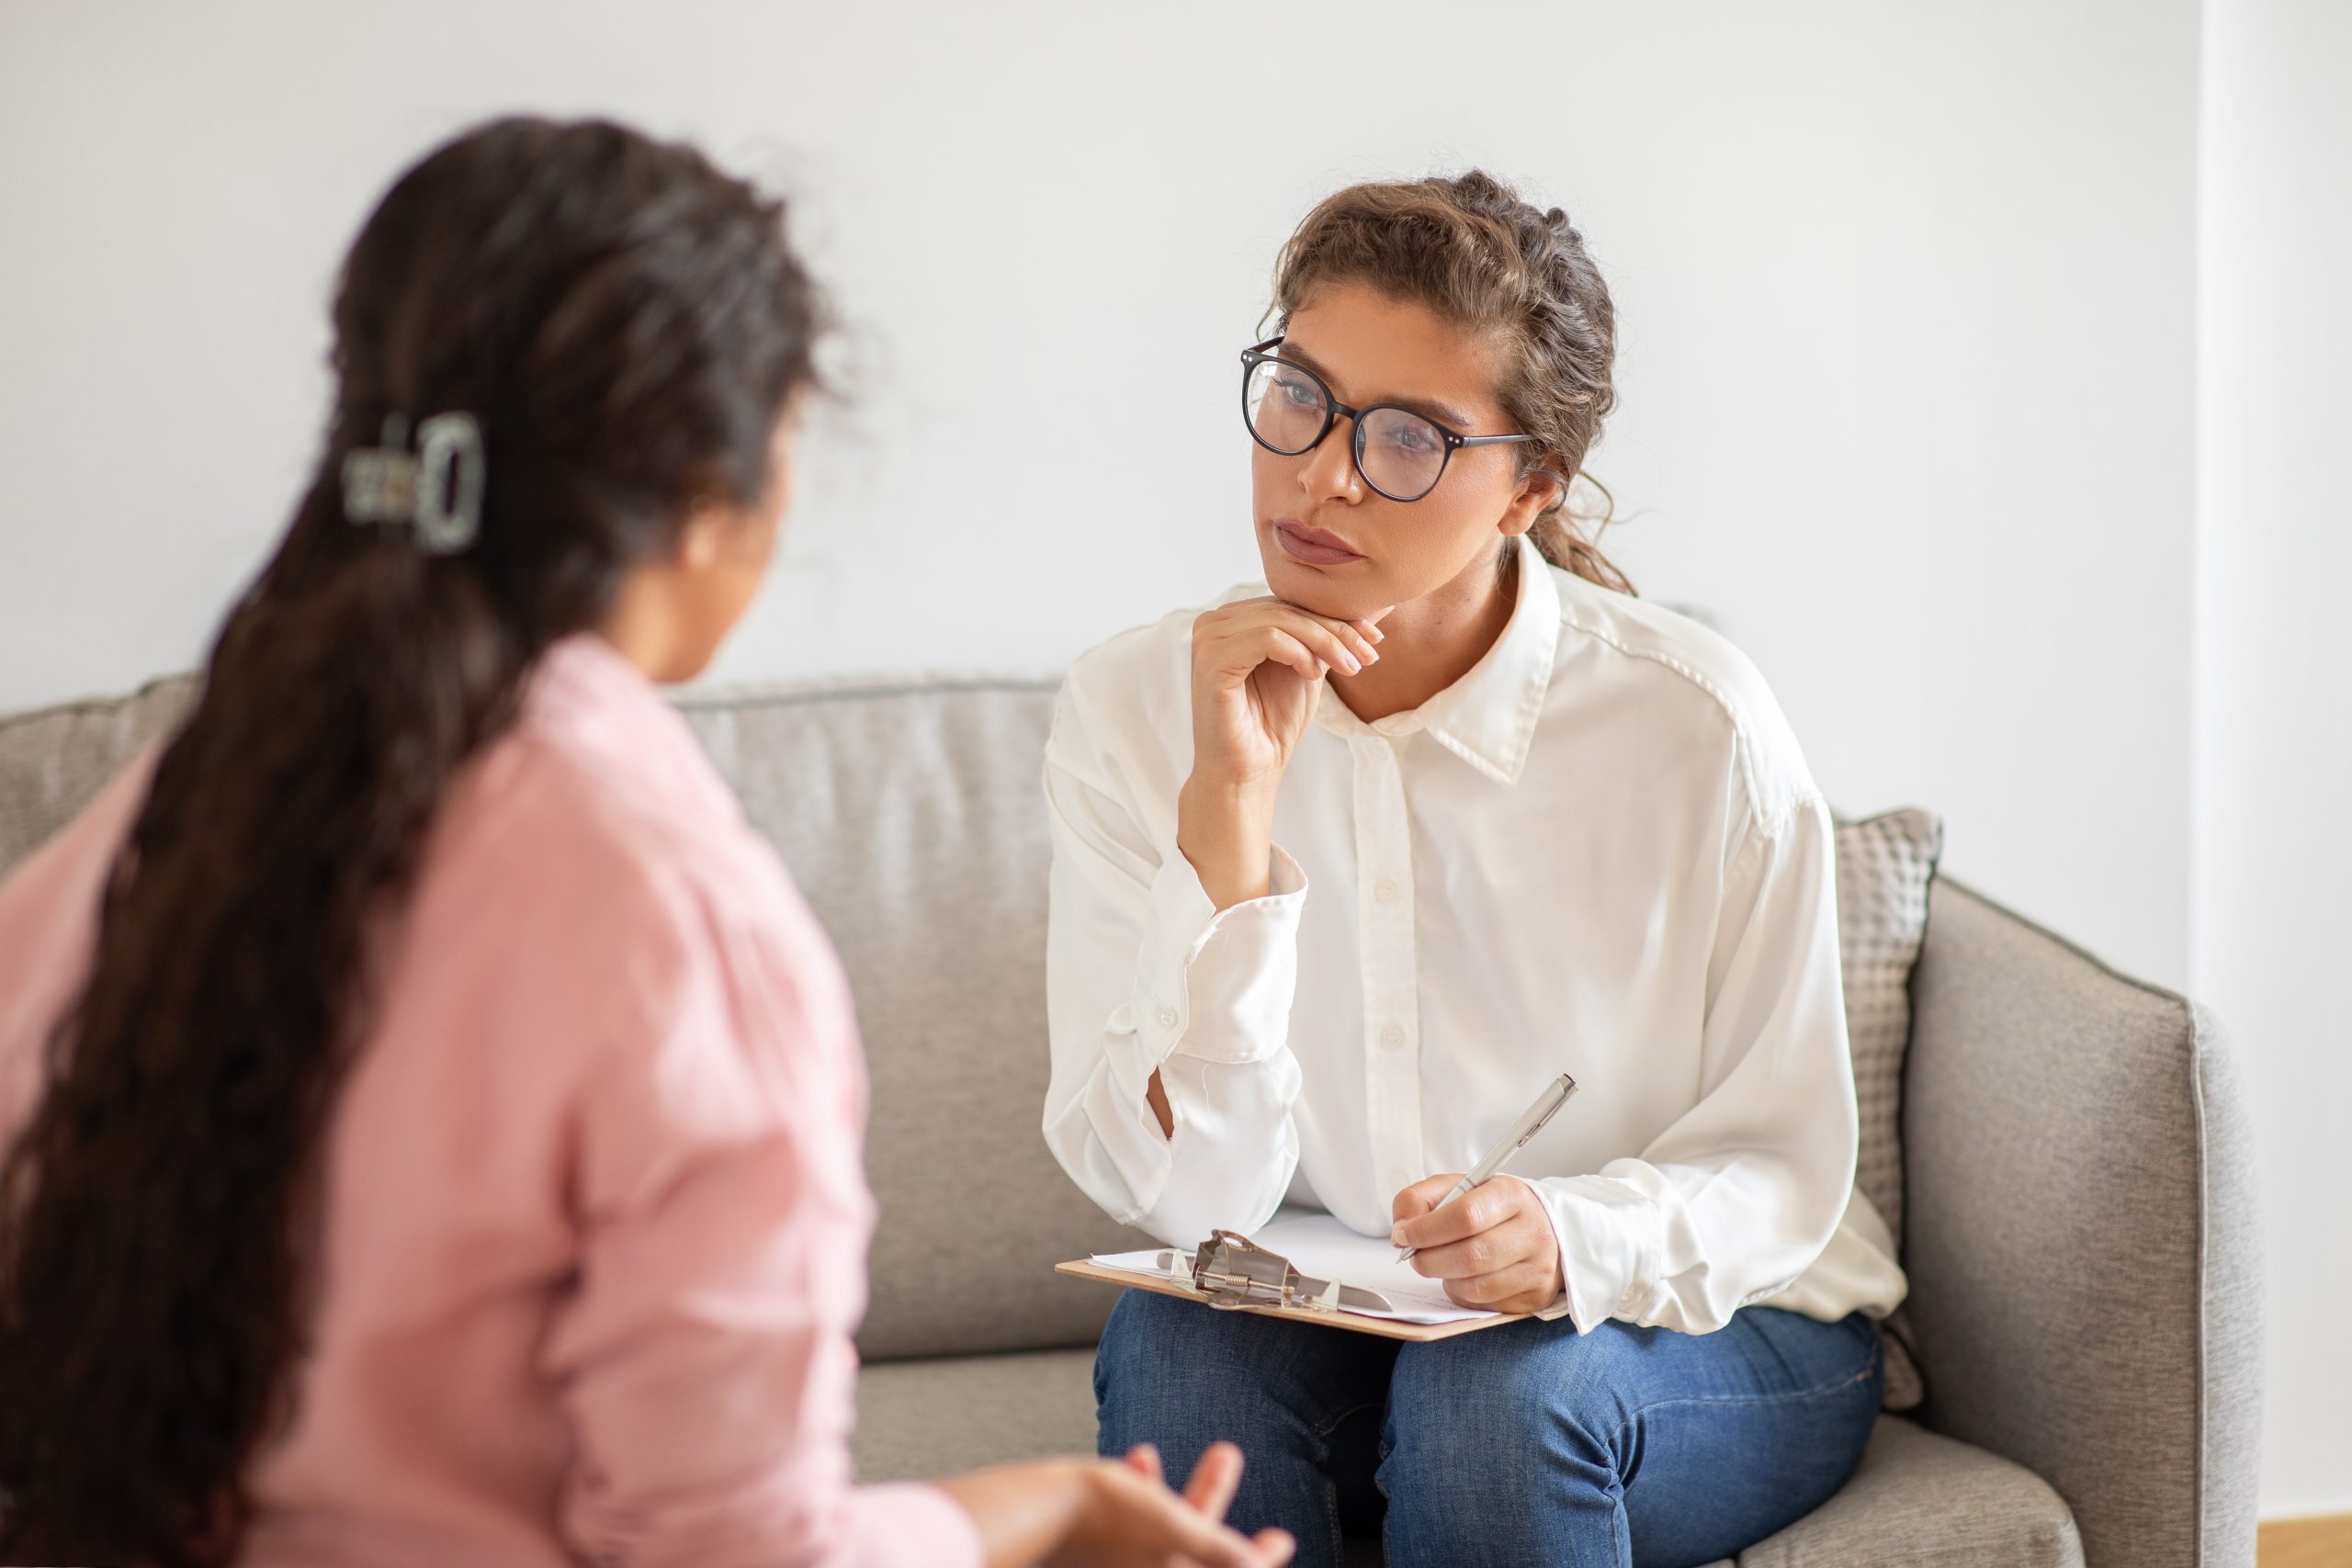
1400,454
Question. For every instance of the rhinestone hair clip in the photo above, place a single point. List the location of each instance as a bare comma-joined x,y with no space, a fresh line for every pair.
437,489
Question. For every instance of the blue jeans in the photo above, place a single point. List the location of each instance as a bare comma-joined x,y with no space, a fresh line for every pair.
1519,1447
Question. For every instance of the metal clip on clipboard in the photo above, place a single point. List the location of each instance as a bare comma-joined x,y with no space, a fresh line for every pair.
1229,1271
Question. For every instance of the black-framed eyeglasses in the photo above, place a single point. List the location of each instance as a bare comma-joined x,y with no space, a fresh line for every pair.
1289,410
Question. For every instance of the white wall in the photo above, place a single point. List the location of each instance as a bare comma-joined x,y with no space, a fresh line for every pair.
1907,297
2272,924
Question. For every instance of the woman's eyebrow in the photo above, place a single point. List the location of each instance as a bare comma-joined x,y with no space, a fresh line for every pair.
1444,413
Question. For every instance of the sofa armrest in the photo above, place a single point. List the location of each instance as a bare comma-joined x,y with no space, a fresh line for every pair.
2081,1236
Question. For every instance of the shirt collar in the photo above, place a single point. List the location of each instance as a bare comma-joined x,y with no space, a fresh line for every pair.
594,702
1487,718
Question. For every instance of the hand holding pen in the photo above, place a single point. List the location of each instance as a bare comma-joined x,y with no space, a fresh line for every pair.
1491,1243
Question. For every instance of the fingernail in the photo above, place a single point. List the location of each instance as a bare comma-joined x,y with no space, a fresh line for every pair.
1396,1238
1355,665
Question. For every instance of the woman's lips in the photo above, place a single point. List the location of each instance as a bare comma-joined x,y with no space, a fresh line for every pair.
1313,546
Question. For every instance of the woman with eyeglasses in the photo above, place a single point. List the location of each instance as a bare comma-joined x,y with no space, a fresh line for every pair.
431,1118
1350,863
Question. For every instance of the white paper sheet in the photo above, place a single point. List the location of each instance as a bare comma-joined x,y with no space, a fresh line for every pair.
1320,1246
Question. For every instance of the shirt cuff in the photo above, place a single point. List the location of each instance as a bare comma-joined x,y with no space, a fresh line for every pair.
914,1526
1217,984
1609,1248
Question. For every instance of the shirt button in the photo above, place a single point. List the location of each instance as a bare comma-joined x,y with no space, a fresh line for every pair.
1398,1179
1392,1037
1386,891
1167,1018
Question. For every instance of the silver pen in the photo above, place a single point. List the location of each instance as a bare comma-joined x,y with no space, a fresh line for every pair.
1547,1105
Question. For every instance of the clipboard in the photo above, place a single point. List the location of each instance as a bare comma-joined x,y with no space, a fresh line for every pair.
1229,1272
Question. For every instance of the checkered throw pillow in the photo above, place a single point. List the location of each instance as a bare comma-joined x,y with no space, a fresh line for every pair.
1884,865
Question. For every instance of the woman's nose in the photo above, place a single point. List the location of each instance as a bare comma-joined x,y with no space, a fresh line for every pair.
1328,471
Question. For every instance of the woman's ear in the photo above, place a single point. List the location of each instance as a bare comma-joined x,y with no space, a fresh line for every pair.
1538,492
702,539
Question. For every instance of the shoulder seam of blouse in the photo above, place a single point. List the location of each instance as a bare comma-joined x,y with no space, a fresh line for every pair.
658,827
1743,746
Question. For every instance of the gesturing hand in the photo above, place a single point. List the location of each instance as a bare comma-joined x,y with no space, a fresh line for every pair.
1135,1519
1073,1513
1493,1247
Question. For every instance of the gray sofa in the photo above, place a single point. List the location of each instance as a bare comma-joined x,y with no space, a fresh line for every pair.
2085,1296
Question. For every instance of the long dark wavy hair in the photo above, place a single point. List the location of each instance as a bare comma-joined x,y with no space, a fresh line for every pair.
628,326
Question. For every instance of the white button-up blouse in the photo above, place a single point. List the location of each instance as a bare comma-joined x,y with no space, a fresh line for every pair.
1598,852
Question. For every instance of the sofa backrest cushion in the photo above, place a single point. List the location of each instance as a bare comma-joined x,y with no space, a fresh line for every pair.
53,760
913,818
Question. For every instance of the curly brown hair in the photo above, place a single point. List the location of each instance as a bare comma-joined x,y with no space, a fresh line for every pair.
628,325
1470,250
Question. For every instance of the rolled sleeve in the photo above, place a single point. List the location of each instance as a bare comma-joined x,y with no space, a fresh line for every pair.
915,1525
1740,1195
1218,984
1608,1236
1145,974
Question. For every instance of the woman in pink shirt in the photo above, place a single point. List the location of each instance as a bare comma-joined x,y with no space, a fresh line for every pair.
432,1118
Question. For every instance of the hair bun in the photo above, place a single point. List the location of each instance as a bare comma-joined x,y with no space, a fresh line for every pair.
1561,228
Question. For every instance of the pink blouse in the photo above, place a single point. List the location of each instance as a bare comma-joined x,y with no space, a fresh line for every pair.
596,1222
